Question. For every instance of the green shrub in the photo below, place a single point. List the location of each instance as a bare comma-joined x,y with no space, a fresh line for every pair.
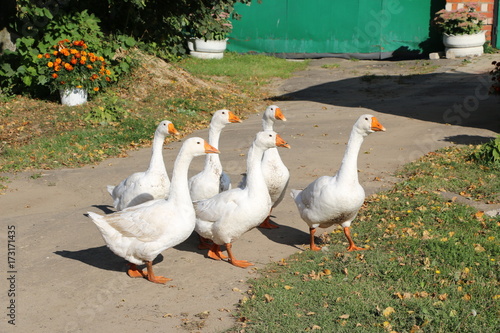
488,153
111,108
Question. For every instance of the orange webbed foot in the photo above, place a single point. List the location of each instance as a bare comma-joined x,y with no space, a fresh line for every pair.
355,248
215,253
158,279
240,263
268,225
134,272
315,247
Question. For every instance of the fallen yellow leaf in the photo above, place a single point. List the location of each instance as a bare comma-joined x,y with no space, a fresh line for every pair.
344,316
479,248
388,311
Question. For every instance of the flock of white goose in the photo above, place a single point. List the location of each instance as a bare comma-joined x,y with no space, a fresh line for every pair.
155,213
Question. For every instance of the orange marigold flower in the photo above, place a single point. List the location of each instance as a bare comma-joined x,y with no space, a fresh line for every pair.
89,66
47,55
84,58
108,78
74,61
54,75
73,51
57,68
79,86
101,58
68,67
84,53
108,72
82,62
55,53
50,64
94,76
96,88
39,56
58,60
65,52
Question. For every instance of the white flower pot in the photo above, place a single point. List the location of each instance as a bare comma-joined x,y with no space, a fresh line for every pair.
465,45
214,46
73,96
207,49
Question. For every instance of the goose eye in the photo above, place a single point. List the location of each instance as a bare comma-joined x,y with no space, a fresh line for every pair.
366,118
198,142
223,112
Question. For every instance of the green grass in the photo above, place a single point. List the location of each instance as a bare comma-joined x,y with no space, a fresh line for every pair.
432,265
244,70
328,66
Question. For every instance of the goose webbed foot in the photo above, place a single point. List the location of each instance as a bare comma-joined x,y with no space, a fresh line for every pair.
215,253
267,224
233,261
134,272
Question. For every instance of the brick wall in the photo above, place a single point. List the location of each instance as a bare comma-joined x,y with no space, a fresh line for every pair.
486,7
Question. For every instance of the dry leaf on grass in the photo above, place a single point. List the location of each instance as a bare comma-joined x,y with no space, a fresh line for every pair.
388,311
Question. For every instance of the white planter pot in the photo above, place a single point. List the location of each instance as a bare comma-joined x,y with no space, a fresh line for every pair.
207,55
73,96
465,45
207,49
214,46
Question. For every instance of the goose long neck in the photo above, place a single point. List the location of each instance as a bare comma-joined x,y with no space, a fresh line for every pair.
157,162
349,167
214,135
179,188
213,160
267,124
254,169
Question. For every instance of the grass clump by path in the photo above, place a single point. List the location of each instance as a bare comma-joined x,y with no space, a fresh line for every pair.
42,134
432,264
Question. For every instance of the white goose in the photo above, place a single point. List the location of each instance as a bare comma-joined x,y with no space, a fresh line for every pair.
150,184
336,200
228,215
141,232
275,171
212,180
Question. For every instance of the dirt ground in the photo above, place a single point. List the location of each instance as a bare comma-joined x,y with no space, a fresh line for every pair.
64,278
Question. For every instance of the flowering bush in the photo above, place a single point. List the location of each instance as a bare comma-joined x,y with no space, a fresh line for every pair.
71,65
463,21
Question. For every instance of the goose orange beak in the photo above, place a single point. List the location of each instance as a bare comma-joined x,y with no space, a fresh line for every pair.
279,115
234,118
211,149
280,142
172,129
377,126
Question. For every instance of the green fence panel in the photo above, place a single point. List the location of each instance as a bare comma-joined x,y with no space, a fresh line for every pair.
298,27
